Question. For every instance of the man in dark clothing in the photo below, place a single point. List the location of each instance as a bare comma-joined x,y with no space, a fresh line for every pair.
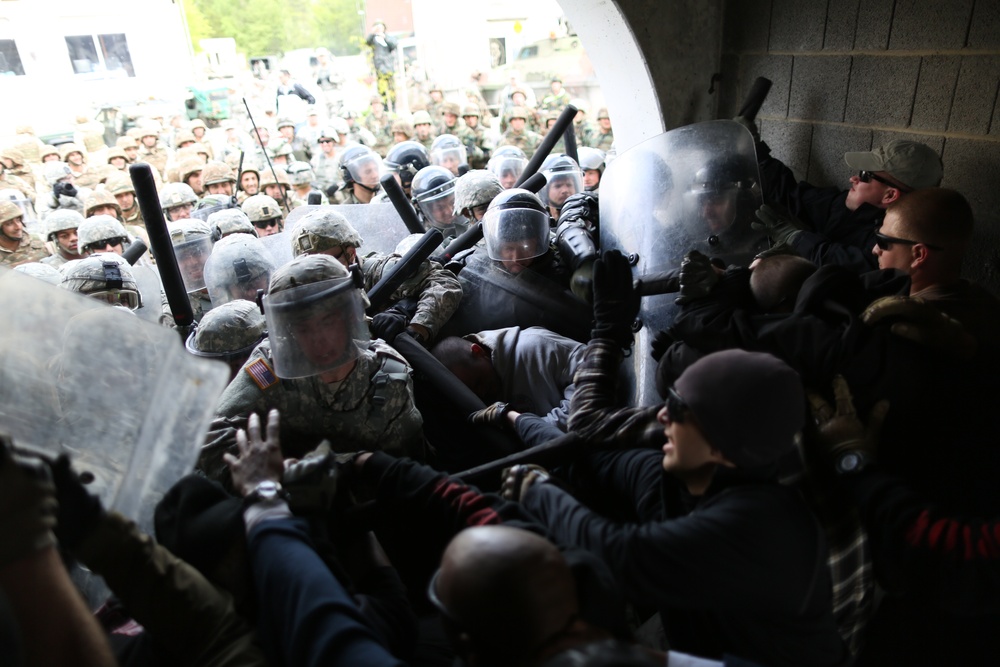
840,225
289,87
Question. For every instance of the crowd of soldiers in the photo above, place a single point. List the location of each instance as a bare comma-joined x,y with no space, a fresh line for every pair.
753,519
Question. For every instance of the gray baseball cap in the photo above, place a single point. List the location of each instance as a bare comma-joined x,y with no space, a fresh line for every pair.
913,164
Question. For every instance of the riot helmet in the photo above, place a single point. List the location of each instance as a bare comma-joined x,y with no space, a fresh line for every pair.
229,221
433,191
238,267
405,159
516,229
265,214
106,277
474,191
508,162
592,164
229,333
322,231
448,151
362,166
716,192
177,201
96,233
315,317
300,173
563,179
192,241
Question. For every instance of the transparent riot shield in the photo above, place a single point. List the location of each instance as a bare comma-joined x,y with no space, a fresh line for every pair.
379,225
693,188
147,279
493,298
116,393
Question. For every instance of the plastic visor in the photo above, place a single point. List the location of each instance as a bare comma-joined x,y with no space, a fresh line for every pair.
379,225
316,328
237,270
366,169
438,205
515,234
450,158
561,184
652,207
191,258
133,418
507,169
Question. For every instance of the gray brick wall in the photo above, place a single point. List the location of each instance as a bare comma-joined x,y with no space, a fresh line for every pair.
853,74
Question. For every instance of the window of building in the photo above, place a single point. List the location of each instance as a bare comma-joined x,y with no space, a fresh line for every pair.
102,55
10,59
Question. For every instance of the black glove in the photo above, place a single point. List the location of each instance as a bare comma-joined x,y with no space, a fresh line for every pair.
64,188
492,415
582,206
781,226
312,481
80,511
615,302
661,343
388,324
698,277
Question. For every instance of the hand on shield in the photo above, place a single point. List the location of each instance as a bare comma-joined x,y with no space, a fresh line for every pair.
616,303
780,225
260,459
698,277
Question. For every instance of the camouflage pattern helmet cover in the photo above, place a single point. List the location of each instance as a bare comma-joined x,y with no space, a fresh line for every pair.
230,221
229,330
177,194
66,149
99,228
105,276
60,220
189,167
55,172
9,210
300,173
421,117
238,266
217,172
99,198
261,207
49,274
323,230
475,188
119,183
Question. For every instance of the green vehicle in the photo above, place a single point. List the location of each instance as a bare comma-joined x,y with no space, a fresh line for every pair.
211,104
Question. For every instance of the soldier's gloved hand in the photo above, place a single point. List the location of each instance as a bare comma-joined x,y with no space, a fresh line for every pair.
781,226
312,481
582,282
616,303
840,431
80,511
518,479
64,188
582,206
698,277
923,324
388,324
27,508
492,415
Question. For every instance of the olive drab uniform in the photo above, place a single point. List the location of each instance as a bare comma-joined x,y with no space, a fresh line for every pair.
381,129
371,409
436,290
526,140
30,250
584,133
9,179
602,140
477,144
552,102
156,157
327,170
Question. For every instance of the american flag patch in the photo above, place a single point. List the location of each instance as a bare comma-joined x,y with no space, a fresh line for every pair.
261,374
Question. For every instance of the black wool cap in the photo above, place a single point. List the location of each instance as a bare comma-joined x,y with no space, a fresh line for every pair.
749,405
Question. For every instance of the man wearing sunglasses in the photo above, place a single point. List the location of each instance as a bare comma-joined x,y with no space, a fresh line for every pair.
839,225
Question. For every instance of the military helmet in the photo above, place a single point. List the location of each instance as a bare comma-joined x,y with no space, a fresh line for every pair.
340,126
421,117
14,155
183,137
516,220
352,165
430,181
116,152
475,188
49,274
228,331
448,150
275,177
284,148
98,229
213,201
591,159
402,126
99,198
9,210
603,113
300,173
557,168
119,183
450,108
60,220
189,167
106,277
471,110
406,159
176,194
329,133
126,142
197,122
285,122
238,266
260,208
509,152
55,172
217,172
519,112
323,230
192,241
229,221
66,149
47,150
507,163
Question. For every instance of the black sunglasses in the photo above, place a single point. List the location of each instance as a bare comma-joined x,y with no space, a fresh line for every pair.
885,242
869,176
676,407
325,141
101,245
264,224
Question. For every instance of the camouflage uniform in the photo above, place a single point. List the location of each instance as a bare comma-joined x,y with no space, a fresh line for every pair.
371,409
327,170
552,102
30,250
602,140
436,289
156,157
8,179
347,196
526,140
381,129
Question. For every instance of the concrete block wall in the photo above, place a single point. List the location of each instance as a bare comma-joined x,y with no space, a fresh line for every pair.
853,74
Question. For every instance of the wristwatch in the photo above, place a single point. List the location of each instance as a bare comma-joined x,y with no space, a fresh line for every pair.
267,492
851,462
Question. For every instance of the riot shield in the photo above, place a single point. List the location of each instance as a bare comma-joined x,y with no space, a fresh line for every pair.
379,225
147,279
693,188
117,394
493,298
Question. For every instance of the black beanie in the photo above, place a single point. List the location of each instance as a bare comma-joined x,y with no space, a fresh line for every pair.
749,405
199,522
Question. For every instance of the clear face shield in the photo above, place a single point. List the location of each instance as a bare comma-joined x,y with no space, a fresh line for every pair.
118,297
515,237
507,169
561,185
438,206
450,157
714,205
366,170
237,271
316,328
191,258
